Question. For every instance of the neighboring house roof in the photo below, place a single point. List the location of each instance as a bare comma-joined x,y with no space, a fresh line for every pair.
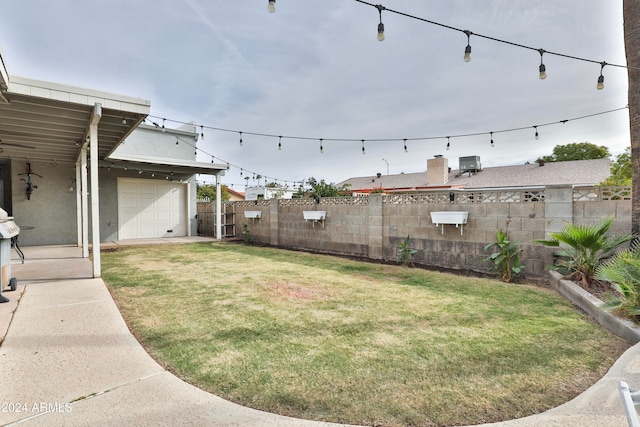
579,172
235,195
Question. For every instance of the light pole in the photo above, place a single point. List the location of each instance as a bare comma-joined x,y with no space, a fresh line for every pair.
385,160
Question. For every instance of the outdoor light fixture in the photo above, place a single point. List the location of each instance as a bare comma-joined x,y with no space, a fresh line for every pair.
363,152
163,128
537,136
280,143
240,139
448,144
272,6
177,143
467,50
491,134
380,25
201,131
542,68
406,150
600,85
321,147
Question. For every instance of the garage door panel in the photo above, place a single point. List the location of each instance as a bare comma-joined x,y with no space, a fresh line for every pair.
150,208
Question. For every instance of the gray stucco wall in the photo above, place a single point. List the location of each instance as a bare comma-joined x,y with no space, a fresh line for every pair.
49,217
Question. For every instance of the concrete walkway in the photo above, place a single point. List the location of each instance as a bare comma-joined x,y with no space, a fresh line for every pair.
68,358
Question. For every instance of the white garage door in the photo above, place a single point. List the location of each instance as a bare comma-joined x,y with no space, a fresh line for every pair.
150,208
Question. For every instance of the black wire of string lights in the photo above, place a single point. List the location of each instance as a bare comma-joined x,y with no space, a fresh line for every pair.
447,137
467,52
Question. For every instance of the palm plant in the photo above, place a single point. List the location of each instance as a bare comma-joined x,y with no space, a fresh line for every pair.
623,270
585,247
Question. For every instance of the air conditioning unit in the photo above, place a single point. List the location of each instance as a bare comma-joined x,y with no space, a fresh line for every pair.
470,164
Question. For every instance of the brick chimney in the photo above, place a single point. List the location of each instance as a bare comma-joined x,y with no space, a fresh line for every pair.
437,170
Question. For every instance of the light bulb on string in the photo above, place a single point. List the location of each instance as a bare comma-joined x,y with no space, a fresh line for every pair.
271,7
448,144
212,159
240,139
492,144
280,143
363,151
380,25
600,85
542,68
536,135
177,143
240,171
163,128
321,147
467,50
406,150
202,132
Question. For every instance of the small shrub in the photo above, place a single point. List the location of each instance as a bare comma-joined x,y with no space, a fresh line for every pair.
246,233
506,260
404,252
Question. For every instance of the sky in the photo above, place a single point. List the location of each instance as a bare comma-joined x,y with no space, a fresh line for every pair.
315,70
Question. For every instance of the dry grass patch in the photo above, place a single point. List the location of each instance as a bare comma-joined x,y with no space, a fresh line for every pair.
327,338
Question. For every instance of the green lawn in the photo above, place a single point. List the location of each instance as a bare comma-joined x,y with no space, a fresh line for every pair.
333,339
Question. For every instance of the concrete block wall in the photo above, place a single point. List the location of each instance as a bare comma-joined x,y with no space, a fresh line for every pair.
374,227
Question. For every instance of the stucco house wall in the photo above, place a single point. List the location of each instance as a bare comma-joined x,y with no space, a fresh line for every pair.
49,216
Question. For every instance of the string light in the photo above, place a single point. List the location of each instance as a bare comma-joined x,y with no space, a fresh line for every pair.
600,85
406,150
536,135
467,50
229,165
542,68
163,128
271,7
241,139
380,25
321,147
280,143
202,132
448,144
177,143
381,37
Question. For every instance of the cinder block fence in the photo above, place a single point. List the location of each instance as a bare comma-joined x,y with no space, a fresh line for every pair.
373,226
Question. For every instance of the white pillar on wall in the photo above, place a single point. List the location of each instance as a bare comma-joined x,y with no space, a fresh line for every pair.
84,202
95,199
79,202
218,208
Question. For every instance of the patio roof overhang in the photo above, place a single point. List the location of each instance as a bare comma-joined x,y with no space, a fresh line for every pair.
49,122
163,165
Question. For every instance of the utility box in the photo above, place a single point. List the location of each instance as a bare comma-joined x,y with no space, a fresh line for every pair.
470,164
